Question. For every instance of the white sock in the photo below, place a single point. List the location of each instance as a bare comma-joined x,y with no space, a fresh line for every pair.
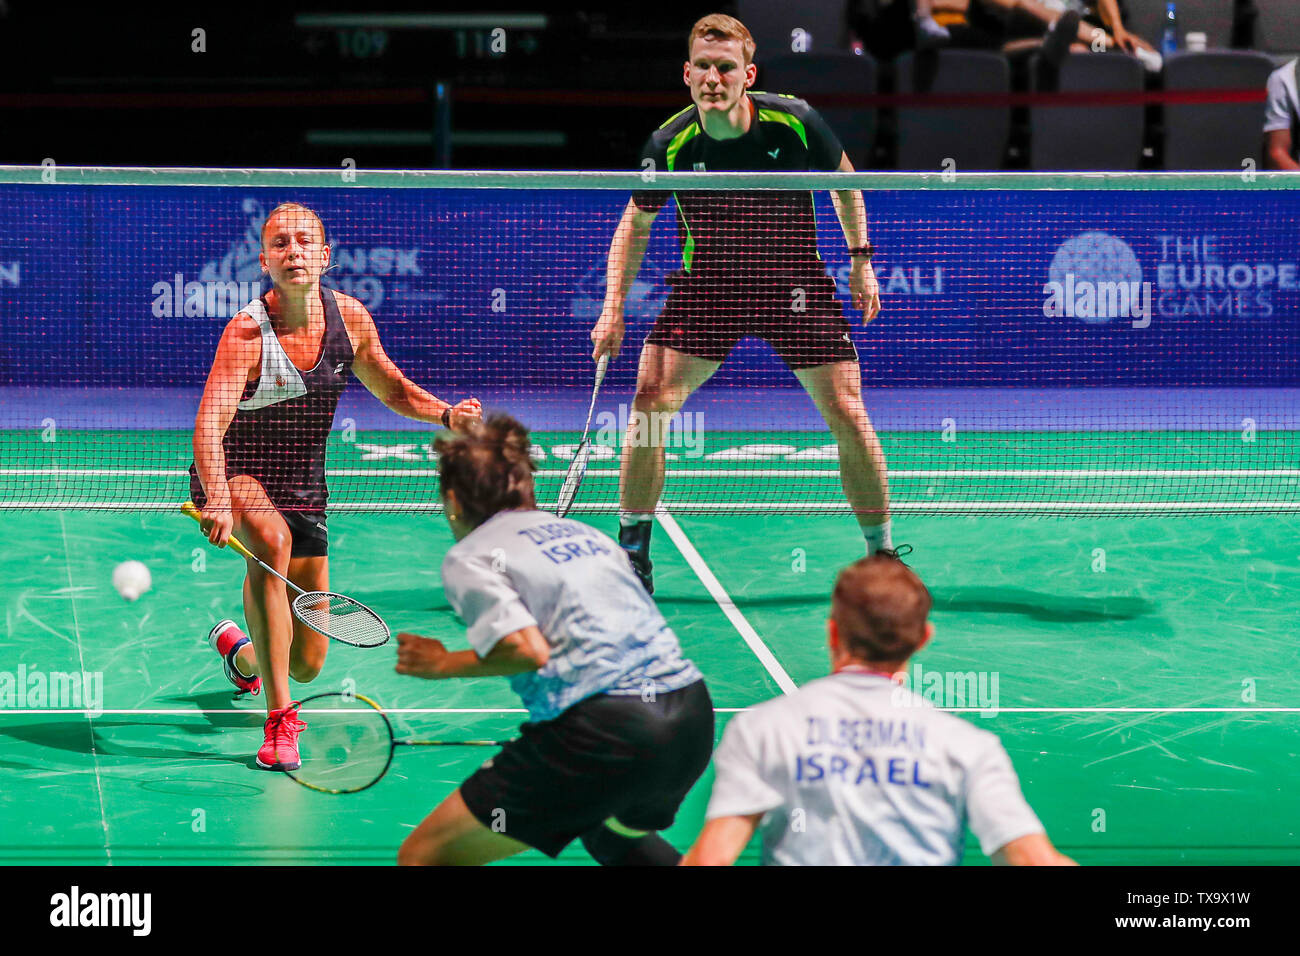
235,660
626,519
878,537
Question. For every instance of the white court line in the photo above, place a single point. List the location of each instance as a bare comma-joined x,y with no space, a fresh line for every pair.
167,712
184,711
832,472
1009,506
1120,710
81,660
98,472
714,587
198,711
964,472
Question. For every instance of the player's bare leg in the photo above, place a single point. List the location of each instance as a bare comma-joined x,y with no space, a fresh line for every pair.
837,391
307,652
266,601
452,836
666,378
308,649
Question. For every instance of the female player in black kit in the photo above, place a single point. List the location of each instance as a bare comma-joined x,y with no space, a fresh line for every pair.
259,455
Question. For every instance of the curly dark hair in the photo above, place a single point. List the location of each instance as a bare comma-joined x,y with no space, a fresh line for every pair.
488,467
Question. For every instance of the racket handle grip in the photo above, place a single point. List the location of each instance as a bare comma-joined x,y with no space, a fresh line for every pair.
190,509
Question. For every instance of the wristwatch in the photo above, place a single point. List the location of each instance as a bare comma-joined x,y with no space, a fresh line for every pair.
446,417
867,250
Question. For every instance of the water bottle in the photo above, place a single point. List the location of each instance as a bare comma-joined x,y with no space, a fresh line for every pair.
1169,43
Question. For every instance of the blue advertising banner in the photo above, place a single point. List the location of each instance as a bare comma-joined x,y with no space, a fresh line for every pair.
132,286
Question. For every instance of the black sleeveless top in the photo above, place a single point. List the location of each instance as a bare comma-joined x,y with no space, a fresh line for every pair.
282,444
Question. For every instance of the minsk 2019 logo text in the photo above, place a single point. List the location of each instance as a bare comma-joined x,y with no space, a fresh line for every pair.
226,285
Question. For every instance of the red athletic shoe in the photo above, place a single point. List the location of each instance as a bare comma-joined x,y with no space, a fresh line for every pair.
280,751
226,639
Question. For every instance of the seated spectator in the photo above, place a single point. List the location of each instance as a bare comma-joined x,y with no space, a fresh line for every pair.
1281,118
1054,27
886,28
1107,15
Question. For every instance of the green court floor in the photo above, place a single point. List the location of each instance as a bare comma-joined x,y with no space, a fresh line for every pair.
1146,676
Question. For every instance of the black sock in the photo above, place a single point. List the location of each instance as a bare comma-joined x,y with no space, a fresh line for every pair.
1059,38
636,537
611,849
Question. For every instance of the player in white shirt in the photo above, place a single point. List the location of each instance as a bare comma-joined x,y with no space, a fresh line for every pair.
854,769
620,723
1281,119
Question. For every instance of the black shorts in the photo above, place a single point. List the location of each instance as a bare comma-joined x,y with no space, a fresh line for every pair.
307,529
607,756
798,315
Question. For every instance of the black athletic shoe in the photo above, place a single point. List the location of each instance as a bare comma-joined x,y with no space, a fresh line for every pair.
898,554
635,539
643,567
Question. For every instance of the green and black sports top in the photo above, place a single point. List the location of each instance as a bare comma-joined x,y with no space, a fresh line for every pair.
728,232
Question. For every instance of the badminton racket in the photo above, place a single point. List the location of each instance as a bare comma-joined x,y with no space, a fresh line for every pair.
578,467
349,744
337,616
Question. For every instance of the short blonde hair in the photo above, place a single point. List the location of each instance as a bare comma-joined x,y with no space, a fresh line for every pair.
722,26
285,206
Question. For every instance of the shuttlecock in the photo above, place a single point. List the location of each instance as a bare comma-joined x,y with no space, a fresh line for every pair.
131,579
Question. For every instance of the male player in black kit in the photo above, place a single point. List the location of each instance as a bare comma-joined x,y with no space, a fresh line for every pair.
750,266
259,455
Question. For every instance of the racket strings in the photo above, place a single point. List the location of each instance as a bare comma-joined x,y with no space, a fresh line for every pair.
351,743
572,481
342,618
578,467
348,747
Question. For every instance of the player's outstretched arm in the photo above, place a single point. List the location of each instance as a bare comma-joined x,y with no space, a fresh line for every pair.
238,352
385,380
1031,850
722,840
851,210
519,652
626,252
